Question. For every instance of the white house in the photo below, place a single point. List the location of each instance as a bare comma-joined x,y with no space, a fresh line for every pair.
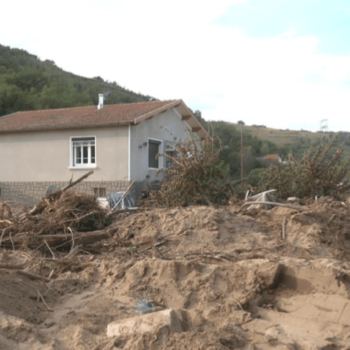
118,142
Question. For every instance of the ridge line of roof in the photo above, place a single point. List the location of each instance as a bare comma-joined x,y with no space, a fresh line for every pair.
76,107
66,127
170,102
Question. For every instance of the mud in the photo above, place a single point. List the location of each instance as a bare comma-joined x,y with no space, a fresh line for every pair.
230,277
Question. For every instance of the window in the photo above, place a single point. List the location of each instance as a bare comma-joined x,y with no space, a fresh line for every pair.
169,162
100,192
83,152
170,151
153,150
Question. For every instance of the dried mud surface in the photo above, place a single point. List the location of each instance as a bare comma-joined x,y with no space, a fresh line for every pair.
231,278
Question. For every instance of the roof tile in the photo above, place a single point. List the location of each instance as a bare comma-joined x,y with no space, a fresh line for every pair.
272,157
79,116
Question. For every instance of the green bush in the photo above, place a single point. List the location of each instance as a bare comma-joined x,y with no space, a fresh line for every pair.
254,176
319,172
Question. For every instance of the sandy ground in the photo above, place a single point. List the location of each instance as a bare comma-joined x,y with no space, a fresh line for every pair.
230,277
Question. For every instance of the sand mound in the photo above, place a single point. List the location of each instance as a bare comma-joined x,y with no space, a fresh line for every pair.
229,277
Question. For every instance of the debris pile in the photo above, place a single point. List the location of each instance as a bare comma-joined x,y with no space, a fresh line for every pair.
75,276
60,218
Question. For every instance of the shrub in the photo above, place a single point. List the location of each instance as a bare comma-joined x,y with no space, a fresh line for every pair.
196,176
319,172
254,176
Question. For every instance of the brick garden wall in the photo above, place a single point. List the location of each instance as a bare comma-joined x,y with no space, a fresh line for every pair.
32,192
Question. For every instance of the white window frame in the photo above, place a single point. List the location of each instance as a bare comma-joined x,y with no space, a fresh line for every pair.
160,147
169,146
86,165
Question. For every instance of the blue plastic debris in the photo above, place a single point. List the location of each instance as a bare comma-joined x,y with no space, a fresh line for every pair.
144,307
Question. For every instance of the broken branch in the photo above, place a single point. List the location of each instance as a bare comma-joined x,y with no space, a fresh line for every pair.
33,276
274,203
12,267
43,300
125,193
77,181
284,228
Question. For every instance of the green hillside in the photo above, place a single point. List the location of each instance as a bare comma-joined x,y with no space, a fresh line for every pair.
296,141
258,141
28,83
281,137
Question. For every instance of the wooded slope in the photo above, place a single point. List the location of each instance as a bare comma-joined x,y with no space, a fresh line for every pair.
28,83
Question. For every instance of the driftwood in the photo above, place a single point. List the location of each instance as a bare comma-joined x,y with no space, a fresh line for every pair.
77,181
276,204
19,268
5,223
284,228
152,246
81,238
43,300
12,267
331,219
33,276
52,253
76,219
56,195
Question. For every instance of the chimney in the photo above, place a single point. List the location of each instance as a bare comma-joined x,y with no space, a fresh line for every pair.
100,101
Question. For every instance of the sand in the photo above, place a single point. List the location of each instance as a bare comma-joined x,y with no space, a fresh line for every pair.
230,278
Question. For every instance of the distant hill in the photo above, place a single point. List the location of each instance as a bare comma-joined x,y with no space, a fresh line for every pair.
28,83
279,136
259,140
293,140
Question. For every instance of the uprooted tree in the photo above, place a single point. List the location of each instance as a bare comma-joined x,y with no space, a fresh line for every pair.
320,172
196,176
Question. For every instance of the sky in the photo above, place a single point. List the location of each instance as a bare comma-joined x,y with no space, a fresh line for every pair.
280,63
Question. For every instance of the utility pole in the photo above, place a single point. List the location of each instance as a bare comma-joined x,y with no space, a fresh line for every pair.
242,160
324,125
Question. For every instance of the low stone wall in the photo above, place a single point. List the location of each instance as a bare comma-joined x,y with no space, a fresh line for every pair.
32,192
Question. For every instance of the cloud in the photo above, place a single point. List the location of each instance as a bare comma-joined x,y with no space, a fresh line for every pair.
177,49
269,85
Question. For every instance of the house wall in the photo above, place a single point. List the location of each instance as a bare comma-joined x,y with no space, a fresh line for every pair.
45,156
31,161
167,127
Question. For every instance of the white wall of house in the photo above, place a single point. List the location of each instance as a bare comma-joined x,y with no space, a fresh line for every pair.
168,128
45,155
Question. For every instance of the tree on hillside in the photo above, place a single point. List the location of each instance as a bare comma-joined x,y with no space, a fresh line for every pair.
27,83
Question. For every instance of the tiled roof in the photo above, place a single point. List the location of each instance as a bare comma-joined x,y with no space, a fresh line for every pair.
88,116
272,157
